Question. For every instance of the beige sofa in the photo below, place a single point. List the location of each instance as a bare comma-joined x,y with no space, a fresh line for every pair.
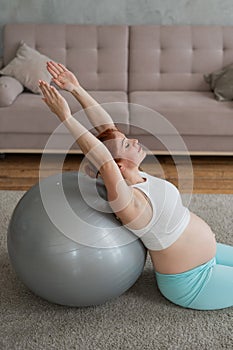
150,78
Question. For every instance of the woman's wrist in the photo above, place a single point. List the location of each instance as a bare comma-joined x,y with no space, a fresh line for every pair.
77,91
65,117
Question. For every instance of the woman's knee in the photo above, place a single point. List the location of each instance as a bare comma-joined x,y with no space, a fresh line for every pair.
224,254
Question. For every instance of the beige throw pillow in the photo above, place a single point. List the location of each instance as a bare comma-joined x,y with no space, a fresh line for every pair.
10,88
28,67
221,83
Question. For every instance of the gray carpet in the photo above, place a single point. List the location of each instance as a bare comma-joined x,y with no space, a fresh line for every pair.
139,319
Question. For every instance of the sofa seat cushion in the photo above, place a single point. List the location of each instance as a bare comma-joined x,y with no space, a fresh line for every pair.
29,114
190,112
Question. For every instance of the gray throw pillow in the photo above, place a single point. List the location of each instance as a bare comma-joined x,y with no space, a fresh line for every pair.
28,67
10,88
221,83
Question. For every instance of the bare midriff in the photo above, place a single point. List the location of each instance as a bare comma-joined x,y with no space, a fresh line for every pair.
194,247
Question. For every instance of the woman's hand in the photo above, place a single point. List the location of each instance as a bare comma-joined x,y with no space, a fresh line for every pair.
62,77
56,103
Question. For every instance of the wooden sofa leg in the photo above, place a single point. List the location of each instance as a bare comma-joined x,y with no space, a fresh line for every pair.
2,156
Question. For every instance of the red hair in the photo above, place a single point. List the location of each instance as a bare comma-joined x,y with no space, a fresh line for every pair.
107,134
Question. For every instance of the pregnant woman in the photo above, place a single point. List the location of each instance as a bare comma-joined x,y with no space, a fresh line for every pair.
192,270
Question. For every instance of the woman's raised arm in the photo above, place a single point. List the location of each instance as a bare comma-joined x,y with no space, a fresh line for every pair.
120,195
66,80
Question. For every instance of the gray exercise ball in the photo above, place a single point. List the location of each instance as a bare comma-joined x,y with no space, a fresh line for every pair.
66,245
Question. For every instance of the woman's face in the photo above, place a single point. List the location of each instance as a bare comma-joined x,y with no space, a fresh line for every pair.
126,149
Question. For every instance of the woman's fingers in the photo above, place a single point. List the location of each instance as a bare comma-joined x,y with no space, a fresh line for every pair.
55,68
54,100
58,66
46,90
53,91
41,85
63,67
53,71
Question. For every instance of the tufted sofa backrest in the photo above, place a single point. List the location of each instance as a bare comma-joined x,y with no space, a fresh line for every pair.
176,57
97,54
158,57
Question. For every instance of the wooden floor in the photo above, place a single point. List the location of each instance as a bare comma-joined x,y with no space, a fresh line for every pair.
210,174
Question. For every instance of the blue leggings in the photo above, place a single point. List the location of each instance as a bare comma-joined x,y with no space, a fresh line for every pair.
206,287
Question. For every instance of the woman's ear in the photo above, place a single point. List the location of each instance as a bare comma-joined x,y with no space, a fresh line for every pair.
121,166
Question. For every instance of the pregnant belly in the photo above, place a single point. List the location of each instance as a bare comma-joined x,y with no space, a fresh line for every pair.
194,247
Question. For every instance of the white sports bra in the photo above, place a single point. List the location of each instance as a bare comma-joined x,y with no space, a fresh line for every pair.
170,217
